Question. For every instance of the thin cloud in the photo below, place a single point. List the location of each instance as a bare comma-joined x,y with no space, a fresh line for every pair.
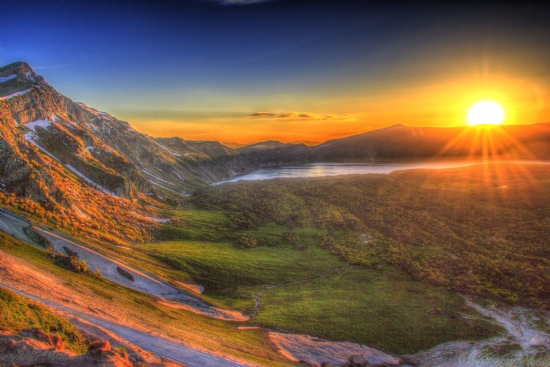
296,115
262,114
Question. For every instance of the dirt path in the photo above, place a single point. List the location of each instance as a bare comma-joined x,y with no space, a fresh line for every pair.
315,351
522,327
28,280
112,270
157,345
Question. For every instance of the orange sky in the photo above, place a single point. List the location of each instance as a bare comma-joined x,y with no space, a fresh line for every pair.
440,103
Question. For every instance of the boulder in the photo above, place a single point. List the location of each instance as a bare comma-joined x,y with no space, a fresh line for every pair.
57,342
358,361
98,347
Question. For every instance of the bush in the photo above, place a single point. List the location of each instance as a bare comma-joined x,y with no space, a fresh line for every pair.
70,252
247,241
290,238
71,263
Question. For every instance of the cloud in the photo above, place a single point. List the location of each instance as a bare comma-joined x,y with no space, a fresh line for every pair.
262,114
297,115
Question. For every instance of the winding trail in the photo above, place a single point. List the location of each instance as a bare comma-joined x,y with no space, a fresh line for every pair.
111,269
155,344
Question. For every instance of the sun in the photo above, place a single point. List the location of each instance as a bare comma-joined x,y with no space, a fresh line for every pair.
485,113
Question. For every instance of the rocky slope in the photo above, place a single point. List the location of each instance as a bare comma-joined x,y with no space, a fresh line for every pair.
40,125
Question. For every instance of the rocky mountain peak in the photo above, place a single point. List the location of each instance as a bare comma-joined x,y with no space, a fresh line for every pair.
18,67
17,77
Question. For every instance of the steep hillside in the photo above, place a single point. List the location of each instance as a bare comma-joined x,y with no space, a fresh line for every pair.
85,171
94,144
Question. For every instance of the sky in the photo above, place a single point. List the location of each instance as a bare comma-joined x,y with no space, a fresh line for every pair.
244,71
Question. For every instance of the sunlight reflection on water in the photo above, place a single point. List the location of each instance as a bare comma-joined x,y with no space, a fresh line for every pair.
334,169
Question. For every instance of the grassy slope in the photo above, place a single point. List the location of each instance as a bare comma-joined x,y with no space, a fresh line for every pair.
234,275
18,313
215,335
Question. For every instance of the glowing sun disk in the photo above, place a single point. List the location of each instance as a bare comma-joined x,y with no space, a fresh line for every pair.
485,112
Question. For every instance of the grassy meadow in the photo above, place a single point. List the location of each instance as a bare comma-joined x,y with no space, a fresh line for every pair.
305,288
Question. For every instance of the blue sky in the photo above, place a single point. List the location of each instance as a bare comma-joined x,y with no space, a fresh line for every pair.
199,69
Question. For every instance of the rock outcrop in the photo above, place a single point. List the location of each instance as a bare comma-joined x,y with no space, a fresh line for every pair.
33,347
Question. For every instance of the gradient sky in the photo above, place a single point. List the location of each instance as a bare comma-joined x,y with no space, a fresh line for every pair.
295,70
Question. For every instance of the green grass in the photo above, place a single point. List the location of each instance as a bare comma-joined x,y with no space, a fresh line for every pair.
194,224
18,313
233,275
381,308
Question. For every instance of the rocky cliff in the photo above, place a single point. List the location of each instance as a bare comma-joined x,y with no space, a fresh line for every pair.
40,126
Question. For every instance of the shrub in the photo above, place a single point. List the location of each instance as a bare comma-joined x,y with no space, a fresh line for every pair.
290,238
247,241
71,263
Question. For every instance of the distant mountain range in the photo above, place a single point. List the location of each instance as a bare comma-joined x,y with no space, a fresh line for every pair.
42,129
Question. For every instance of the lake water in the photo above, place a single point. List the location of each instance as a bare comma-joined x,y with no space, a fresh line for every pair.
334,169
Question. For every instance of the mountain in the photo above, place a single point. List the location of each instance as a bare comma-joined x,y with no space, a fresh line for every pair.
402,142
274,153
233,144
87,172
38,122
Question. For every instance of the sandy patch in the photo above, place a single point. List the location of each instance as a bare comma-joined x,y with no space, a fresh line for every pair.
213,312
316,351
195,288
152,219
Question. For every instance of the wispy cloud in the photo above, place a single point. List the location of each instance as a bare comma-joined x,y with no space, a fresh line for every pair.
296,115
